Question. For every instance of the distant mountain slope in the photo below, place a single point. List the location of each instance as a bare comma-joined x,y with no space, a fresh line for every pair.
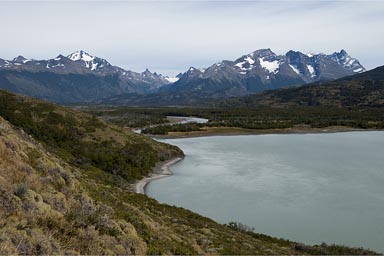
365,89
79,77
264,70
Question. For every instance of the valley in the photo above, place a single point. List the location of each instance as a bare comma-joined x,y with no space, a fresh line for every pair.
195,127
66,181
64,159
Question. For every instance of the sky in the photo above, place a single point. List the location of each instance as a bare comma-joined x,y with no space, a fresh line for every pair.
169,36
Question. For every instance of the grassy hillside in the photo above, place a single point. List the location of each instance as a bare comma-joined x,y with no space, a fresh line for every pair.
64,190
83,140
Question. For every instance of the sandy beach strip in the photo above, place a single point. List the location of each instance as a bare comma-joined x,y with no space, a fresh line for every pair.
159,172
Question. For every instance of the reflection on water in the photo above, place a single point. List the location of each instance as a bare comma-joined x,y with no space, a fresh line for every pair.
310,188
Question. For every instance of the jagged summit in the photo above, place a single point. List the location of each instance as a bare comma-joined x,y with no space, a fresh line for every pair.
349,63
20,59
146,71
59,57
80,55
89,61
262,53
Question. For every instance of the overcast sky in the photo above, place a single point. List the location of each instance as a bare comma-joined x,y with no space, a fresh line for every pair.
170,36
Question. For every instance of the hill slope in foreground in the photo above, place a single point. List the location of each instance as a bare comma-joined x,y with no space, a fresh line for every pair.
64,189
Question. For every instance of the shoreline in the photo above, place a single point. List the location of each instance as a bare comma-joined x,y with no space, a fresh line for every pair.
234,131
160,171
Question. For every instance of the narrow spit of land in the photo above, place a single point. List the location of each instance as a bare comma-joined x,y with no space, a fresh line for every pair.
232,131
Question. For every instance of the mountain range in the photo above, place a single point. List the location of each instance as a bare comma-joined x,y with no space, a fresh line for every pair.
264,70
363,89
81,77
74,78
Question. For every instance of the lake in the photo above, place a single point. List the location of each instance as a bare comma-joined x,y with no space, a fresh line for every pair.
310,188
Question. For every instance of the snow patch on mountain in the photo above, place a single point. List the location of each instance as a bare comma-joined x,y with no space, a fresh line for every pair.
270,66
250,60
359,70
172,79
294,68
94,66
58,65
349,61
240,64
81,55
310,54
311,70
245,65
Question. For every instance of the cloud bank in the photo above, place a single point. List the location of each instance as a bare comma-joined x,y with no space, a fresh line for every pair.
170,36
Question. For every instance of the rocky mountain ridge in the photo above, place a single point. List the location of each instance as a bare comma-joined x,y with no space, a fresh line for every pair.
81,77
264,70
81,62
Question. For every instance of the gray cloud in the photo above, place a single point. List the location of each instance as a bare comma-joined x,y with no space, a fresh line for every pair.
170,36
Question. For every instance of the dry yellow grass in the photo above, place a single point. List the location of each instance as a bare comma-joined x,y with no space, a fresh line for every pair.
41,199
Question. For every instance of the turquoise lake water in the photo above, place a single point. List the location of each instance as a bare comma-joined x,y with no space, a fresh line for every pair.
310,188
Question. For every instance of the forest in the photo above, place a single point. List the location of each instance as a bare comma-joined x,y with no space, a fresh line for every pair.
247,118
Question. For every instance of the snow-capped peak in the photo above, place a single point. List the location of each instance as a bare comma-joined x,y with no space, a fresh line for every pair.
192,69
270,66
20,59
349,63
59,57
171,79
343,52
310,54
81,55
92,62
245,63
